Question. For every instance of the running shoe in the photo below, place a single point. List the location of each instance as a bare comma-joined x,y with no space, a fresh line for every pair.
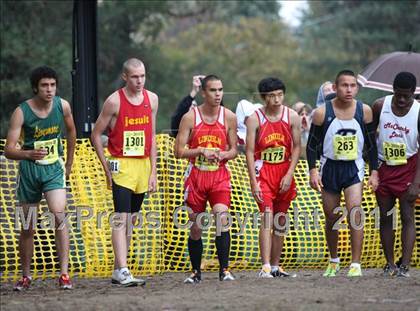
265,273
23,283
332,269
390,270
194,278
403,271
354,271
226,275
64,282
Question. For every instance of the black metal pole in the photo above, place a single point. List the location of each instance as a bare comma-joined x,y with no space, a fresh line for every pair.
84,74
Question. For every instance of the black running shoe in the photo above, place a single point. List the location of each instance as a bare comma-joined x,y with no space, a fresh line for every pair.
194,278
226,275
280,273
403,271
390,270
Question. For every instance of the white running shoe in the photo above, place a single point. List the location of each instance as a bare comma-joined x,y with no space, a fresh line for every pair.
265,274
124,277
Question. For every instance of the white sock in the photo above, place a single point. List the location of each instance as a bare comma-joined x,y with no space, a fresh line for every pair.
356,265
274,268
335,260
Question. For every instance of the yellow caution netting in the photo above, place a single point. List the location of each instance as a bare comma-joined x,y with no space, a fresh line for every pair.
159,240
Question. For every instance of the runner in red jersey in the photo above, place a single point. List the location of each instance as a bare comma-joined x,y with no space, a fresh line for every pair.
210,133
272,152
129,115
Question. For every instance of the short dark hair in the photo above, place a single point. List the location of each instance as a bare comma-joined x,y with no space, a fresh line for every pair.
345,72
40,73
207,79
270,84
405,80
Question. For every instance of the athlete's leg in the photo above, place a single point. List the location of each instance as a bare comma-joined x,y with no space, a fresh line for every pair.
265,236
386,203
26,238
136,202
329,202
56,200
222,240
195,244
353,198
408,233
277,240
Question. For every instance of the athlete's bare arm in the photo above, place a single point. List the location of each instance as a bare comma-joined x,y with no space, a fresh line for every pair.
11,151
372,150
311,147
376,110
296,127
413,190
232,137
252,127
70,135
109,112
154,102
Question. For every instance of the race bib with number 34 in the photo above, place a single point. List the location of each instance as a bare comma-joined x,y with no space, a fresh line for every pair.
51,146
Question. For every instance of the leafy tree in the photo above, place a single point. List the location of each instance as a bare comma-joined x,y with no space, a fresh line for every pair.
350,34
241,54
32,35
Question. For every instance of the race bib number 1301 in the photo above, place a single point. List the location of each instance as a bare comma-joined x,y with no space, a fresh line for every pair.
134,142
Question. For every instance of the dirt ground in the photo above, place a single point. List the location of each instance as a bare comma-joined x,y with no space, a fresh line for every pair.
307,291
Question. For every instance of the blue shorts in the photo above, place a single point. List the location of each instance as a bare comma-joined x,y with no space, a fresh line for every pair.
339,175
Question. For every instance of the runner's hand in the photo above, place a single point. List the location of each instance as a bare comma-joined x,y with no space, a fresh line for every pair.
285,183
315,180
256,192
152,183
36,154
373,180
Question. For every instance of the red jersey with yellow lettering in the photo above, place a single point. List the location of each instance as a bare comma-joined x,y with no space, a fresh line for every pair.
273,150
274,142
210,136
205,180
132,133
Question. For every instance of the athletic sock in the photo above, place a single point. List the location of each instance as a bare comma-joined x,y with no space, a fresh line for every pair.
195,248
274,268
356,265
335,260
223,249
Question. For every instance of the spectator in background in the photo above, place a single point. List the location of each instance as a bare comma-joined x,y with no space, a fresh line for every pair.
298,106
305,114
325,92
243,110
185,104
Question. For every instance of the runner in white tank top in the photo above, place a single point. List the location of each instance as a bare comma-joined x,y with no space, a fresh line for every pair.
397,120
